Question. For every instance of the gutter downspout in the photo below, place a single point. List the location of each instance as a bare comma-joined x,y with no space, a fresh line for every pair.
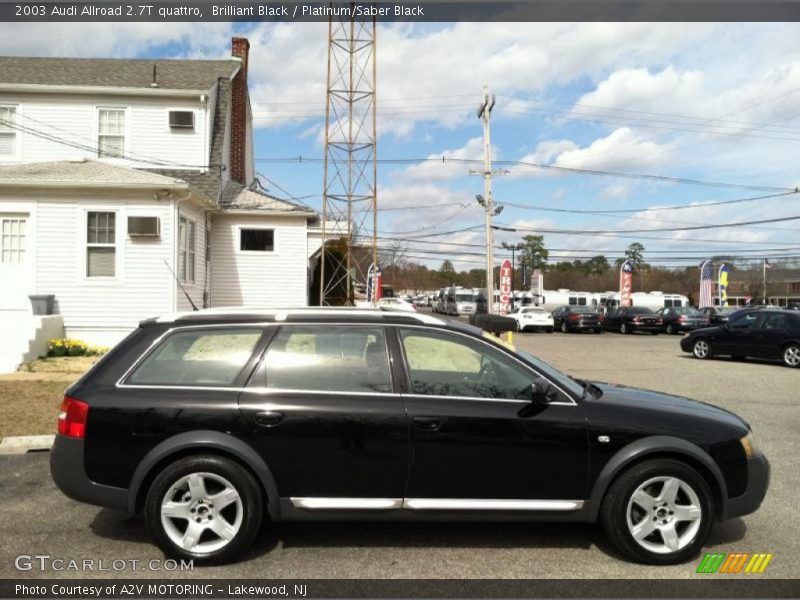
175,247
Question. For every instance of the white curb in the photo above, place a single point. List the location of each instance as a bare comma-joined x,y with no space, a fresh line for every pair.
21,444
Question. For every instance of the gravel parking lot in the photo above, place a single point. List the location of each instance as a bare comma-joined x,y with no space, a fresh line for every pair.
37,519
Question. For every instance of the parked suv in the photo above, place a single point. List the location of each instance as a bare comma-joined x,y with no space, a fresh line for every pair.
210,423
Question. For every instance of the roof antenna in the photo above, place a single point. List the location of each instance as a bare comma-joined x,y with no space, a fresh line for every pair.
155,76
178,281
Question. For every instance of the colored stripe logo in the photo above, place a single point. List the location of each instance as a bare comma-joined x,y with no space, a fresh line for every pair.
736,562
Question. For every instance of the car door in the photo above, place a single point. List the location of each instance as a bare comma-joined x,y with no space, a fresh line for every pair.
477,440
736,337
325,417
770,334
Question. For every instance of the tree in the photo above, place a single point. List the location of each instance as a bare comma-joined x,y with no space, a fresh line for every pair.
635,254
448,272
533,254
597,265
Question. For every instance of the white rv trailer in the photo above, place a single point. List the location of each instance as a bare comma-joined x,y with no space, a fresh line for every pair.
652,300
552,299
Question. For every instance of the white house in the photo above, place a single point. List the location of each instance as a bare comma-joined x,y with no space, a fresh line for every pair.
119,177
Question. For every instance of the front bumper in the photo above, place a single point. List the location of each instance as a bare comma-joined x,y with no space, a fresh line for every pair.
68,472
758,475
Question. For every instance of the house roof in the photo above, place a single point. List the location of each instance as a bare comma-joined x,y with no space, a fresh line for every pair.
116,72
83,173
238,197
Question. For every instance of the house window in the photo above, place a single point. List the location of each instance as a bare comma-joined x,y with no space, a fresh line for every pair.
12,241
101,247
186,249
8,133
257,240
111,133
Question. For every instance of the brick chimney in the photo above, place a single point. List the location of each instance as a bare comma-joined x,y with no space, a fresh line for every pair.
240,48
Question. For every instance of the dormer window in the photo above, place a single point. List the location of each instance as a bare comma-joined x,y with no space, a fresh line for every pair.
8,132
111,132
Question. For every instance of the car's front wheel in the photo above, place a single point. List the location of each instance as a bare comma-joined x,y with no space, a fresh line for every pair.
670,329
791,356
623,328
658,512
204,508
701,349
564,328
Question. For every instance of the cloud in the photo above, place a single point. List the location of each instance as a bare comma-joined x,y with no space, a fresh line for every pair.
443,170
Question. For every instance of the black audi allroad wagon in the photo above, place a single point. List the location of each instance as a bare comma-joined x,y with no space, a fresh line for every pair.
211,422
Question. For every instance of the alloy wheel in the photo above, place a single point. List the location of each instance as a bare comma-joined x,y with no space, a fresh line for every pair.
701,349
791,356
664,514
564,328
201,512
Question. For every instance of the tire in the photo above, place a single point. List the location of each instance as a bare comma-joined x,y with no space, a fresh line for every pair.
598,330
701,349
564,328
549,330
673,512
653,333
670,329
192,486
519,327
791,356
623,328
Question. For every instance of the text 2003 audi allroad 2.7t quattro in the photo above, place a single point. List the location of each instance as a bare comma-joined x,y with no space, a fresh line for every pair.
211,422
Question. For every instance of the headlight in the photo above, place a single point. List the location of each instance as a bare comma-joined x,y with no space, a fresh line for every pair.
748,445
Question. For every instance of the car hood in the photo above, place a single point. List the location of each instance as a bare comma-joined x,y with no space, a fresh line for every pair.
666,405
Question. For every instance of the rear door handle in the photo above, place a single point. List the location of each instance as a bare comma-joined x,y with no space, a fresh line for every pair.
427,423
268,418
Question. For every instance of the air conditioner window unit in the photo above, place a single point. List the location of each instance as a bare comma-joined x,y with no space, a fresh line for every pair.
181,119
144,226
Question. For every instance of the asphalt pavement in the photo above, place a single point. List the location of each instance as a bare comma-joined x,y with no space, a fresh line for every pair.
36,519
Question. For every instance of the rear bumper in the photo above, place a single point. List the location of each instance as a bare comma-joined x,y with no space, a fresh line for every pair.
69,474
583,326
758,475
646,327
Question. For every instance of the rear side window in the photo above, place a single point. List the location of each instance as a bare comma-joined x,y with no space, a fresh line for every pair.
198,357
325,358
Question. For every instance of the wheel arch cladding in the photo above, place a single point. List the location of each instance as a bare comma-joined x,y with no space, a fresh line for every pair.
202,442
660,446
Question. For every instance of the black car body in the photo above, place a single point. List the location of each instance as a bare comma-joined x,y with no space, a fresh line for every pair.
207,422
629,319
682,318
717,315
577,318
770,334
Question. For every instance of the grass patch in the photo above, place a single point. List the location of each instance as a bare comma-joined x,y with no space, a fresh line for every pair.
60,364
30,407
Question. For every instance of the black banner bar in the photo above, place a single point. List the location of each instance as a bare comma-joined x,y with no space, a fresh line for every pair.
403,11
710,586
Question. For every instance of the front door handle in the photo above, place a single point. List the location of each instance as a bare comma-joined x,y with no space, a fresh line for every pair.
268,418
427,423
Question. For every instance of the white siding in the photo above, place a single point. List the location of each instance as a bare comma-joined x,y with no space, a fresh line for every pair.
272,279
101,311
194,289
149,139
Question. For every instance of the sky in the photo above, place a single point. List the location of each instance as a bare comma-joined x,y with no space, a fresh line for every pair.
716,102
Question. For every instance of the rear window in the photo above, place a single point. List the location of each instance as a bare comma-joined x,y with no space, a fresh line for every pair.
583,310
639,310
198,357
326,358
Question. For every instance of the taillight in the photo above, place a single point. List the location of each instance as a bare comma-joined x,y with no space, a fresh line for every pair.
72,418
659,320
636,319
601,318
682,319
574,317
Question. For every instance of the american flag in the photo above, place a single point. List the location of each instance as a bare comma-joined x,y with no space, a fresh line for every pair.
706,273
767,264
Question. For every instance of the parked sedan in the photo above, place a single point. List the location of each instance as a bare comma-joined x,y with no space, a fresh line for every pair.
682,318
396,304
717,315
628,319
532,318
577,318
769,334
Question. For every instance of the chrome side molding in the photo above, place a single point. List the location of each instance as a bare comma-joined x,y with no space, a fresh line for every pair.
316,503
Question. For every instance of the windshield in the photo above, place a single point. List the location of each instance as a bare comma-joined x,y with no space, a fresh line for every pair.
640,310
582,309
687,310
557,376
465,298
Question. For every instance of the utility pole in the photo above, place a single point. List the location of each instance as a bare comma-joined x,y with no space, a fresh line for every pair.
485,113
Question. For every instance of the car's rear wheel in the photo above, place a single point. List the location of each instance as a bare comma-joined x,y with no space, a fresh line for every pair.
701,349
791,356
623,328
564,328
658,512
204,508
670,329
549,330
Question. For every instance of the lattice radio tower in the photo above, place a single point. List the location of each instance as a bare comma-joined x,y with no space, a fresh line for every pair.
349,199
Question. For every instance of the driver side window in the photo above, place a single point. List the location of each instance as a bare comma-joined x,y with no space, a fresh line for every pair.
747,321
442,364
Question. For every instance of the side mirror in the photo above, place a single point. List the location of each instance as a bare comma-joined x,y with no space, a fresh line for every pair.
541,391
